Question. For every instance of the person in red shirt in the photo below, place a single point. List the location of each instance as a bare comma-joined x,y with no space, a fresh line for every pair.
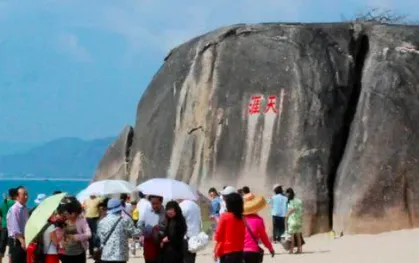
230,232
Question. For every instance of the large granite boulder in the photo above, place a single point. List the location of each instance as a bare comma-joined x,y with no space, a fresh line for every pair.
114,163
194,121
377,188
263,104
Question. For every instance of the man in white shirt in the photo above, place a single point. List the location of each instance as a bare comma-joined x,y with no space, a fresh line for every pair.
192,213
143,206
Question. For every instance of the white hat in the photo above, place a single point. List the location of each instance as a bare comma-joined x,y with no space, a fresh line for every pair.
40,198
228,190
275,186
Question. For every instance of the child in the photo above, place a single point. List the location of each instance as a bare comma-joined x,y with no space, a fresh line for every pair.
135,214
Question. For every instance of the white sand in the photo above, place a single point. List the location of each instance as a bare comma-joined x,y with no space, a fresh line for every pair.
398,246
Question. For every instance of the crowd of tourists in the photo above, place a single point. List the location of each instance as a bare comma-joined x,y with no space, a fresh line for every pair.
108,228
239,229
103,227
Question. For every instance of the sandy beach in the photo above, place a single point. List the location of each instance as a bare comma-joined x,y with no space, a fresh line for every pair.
397,246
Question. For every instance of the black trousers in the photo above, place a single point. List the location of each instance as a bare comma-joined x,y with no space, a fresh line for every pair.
278,227
251,257
73,259
188,257
92,222
235,257
4,241
17,253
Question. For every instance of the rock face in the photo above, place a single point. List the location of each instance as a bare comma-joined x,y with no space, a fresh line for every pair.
377,188
297,104
115,161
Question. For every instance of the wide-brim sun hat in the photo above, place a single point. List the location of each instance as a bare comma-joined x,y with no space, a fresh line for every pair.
114,206
253,204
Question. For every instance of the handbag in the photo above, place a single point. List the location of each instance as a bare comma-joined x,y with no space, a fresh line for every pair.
97,255
261,251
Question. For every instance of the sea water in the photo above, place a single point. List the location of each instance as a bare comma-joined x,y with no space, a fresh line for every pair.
47,187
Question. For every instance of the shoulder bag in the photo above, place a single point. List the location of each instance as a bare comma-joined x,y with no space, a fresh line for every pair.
261,251
98,252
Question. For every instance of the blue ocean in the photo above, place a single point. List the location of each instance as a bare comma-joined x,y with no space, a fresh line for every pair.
47,187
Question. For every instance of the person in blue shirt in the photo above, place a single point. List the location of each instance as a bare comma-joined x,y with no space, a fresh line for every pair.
215,202
278,204
215,207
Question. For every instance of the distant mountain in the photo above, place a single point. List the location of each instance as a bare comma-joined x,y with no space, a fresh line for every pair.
7,148
61,158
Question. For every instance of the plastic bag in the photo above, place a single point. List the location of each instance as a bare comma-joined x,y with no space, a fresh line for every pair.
198,242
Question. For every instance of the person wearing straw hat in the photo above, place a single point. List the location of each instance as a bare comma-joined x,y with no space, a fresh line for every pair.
255,229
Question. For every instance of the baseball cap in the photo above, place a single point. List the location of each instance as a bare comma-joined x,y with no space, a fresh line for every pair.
228,190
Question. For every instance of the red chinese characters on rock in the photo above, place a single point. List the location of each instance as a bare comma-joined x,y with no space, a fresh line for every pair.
271,105
256,106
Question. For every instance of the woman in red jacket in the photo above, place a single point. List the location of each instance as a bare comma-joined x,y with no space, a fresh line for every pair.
230,233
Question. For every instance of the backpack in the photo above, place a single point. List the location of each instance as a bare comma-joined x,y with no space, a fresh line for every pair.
38,246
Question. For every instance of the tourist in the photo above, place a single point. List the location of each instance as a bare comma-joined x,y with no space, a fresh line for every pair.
192,214
278,204
255,229
246,191
136,240
59,220
7,203
214,208
215,203
16,221
230,233
143,205
294,220
114,231
174,234
92,216
151,223
102,208
51,242
134,213
126,203
76,234
226,191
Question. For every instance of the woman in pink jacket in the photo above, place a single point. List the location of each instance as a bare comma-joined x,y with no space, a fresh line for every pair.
255,229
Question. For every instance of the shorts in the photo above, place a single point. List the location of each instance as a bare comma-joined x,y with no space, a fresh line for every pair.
4,241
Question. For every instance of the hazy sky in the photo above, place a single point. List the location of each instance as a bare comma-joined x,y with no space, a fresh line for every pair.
79,67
